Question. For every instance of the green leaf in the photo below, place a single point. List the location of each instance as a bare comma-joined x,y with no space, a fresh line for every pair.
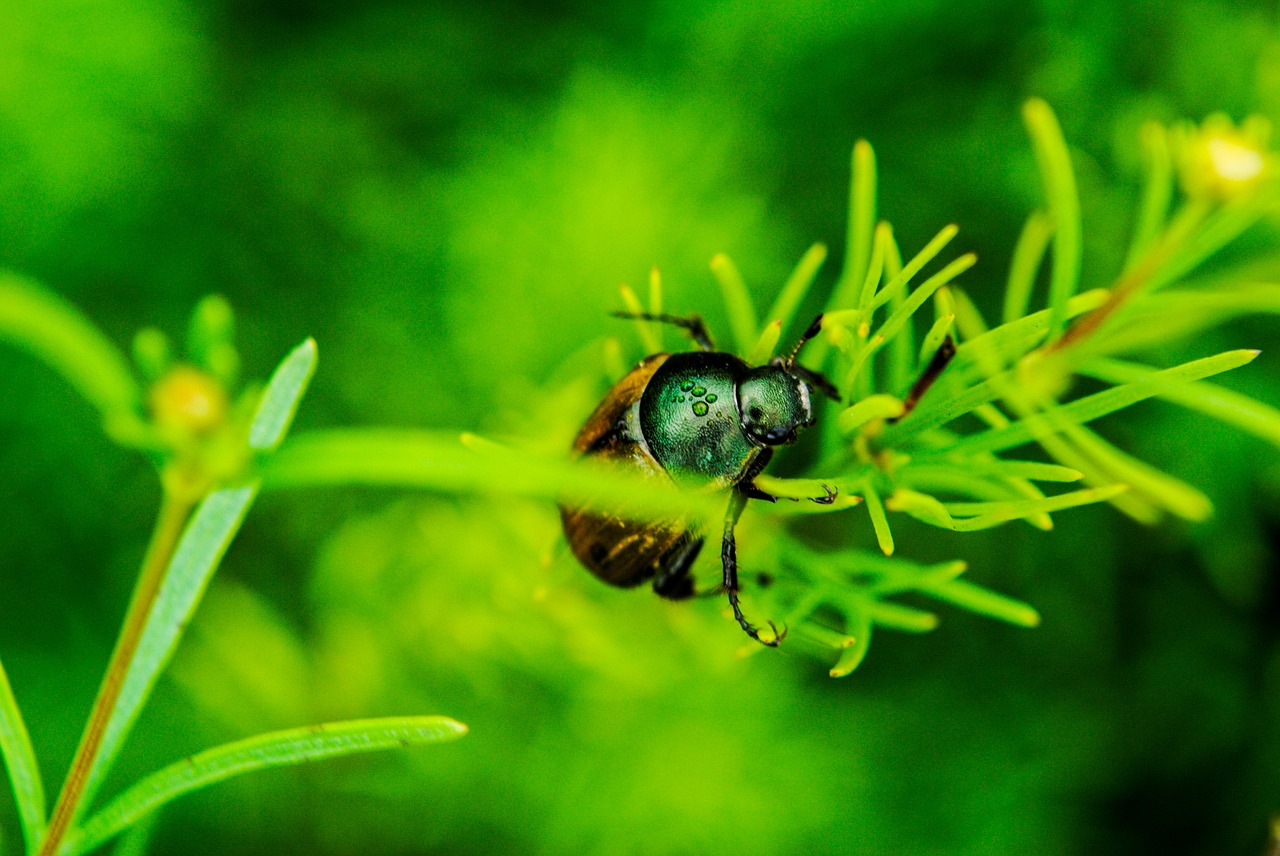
266,751
1009,342
1220,229
873,407
797,286
899,279
902,314
737,300
853,655
1102,403
1181,314
280,400
421,459
56,333
20,761
983,601
984,515
861,225
648,336
763,349
1157,192
896,616
1151,486
1059,183
933,339
1028,254
879,520
203,543
1261,420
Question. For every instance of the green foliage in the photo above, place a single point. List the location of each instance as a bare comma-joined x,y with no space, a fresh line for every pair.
278,749
177,570
443,195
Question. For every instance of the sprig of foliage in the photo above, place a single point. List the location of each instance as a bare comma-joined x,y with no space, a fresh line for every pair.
209,451
941,460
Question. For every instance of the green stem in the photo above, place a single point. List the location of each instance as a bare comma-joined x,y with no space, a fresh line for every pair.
175,508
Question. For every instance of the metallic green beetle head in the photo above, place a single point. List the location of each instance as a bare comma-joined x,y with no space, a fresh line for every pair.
772,405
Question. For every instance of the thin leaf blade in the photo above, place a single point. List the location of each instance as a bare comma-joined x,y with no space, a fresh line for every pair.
204,541
280,400
266,751
20,761
55,332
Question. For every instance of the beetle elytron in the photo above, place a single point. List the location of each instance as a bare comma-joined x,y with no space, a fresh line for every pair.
707,420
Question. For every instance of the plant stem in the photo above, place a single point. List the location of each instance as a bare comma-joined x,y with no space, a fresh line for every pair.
175,508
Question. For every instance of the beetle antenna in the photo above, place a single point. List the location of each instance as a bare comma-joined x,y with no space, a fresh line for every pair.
806,336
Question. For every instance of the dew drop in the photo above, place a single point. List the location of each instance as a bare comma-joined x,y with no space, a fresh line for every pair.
700,408
711,399
699,390
686,386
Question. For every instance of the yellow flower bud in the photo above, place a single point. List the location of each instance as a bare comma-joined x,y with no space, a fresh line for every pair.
188,402
1220,162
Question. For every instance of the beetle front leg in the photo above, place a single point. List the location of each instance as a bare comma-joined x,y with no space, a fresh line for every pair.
729,558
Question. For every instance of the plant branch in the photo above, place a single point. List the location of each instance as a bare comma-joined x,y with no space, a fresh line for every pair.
175,508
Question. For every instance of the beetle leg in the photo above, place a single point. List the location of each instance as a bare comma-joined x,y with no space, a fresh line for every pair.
692,325
729,557
673,581
753,492
831,494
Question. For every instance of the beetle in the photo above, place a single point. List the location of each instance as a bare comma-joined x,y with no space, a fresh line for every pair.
706,420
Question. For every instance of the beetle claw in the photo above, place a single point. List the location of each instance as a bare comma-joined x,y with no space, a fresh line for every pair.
748,627
831,492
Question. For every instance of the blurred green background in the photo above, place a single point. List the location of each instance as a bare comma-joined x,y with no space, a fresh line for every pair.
446,196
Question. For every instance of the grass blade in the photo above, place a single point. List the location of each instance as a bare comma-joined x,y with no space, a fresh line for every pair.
280,400
53,331
266,751
737,300
203,544
20,761
1064,206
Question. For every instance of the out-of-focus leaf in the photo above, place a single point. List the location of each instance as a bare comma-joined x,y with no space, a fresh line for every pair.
280,400
277,749
20,760
55,332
